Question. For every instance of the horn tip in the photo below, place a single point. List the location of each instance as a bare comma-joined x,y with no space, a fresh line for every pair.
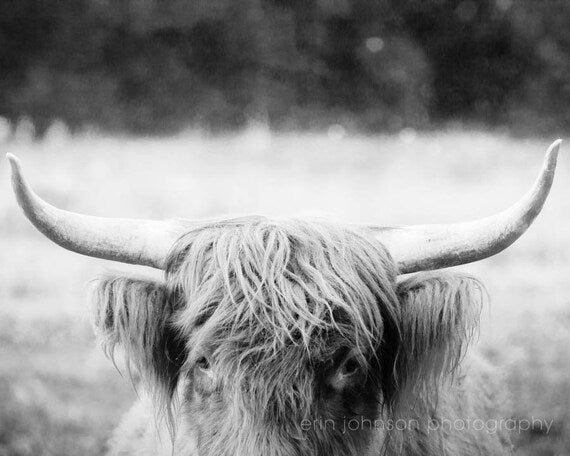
552,155
14,163
555,146
17,175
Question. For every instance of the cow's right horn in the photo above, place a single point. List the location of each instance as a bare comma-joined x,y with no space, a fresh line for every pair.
423,247
143,242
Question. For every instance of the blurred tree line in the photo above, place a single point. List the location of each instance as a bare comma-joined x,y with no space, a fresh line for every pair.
158,66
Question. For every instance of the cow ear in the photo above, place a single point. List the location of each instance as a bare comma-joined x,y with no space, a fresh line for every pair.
135,315
439,317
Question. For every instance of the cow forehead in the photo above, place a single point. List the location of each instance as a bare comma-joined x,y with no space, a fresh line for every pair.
260,288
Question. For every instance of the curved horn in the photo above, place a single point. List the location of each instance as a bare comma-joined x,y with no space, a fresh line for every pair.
425,247
143,242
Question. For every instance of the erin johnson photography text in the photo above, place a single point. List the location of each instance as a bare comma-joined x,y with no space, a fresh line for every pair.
491,426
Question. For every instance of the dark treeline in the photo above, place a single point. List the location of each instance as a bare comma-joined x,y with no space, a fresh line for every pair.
158,66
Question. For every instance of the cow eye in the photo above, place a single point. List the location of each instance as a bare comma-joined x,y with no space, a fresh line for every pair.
350,367
203,363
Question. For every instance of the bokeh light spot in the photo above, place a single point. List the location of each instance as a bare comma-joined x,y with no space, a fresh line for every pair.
336,132
504,5
375,44
407,135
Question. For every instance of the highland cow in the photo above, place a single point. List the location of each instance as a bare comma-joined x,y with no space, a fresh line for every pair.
297,337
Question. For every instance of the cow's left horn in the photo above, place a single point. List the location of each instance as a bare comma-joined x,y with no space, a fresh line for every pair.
143,242
425,247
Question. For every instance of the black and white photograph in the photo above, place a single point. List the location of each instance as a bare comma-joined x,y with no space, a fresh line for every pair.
284,228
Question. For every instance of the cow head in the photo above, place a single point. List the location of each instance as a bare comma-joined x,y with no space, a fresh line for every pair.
287,338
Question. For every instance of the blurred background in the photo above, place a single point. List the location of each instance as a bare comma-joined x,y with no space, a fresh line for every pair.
151,66
360,111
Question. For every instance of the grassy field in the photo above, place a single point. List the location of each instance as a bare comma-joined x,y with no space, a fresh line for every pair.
60,396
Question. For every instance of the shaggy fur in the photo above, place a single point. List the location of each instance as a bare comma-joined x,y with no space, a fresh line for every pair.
261,326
